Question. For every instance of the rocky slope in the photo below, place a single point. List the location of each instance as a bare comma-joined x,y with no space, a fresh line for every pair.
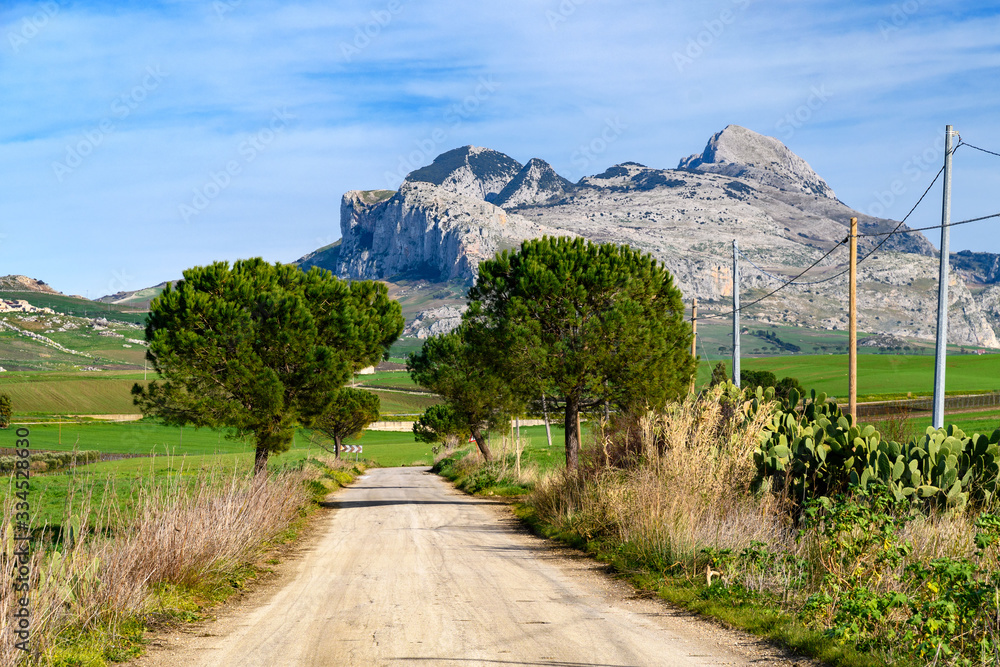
24,284
470,171
746,186
425,230
536,184
742,153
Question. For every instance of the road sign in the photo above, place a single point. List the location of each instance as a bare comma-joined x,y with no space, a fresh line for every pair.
352,449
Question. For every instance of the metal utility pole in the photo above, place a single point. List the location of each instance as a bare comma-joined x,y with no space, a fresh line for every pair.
852,327
937,421
736,313
694,339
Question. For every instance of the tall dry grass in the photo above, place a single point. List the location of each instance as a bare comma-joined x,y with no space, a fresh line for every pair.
181,530
671,484
675,492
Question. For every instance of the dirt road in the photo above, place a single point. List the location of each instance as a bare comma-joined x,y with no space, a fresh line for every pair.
407,571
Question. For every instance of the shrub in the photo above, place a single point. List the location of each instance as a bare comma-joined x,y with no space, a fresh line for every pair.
6,410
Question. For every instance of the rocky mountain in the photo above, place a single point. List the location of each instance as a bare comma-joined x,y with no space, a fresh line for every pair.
536,184
746,186
425,230
742,153
480,173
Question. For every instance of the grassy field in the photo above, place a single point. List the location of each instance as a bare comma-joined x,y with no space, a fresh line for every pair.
175,449
103,392
878,375
393,379
77,307
970,422
109,392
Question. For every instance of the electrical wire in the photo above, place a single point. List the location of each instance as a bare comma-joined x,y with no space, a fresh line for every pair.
777,289
769,274
924,229
887,236
894,229
965,143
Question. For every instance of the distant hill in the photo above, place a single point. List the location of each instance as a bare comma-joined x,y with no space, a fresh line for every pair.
24,284
137,299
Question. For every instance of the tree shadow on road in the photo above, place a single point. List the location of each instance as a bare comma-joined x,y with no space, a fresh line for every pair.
347,504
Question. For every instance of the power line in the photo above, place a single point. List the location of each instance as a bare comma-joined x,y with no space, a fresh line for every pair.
895,229
779,288
965,143
771,275
924,229
887,236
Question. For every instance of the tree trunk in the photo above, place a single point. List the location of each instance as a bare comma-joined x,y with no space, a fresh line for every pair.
260,460
545,414
337,447
572,434
484,449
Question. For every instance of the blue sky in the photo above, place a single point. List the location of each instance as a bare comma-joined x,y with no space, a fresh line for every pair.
141,138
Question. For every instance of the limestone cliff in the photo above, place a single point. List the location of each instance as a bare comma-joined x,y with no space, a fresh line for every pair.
470,171
425,230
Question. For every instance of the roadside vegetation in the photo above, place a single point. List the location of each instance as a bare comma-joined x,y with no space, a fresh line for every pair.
132,552
776,514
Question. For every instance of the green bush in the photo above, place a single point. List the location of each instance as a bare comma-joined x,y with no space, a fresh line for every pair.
6,410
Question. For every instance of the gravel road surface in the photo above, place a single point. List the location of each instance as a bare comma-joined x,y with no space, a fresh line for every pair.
404,570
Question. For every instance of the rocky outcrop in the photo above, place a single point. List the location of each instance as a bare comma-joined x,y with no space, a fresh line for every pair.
977,267
435,321
24,284
744,186
536,184
427,231
742,153
327,257
470,171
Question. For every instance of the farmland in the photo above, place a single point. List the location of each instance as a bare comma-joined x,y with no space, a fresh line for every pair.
878,374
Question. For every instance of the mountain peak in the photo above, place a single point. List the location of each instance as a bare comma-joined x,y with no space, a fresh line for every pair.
742,153
470,171
536,183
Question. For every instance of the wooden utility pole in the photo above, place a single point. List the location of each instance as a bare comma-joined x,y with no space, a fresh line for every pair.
694,339
852,327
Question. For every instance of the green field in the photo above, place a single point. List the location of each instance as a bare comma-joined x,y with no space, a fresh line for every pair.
878,374
109,392
99,392
69,305
970,422
186,450
150,438
391,379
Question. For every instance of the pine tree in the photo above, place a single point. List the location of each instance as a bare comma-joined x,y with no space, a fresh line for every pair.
261,348
592,324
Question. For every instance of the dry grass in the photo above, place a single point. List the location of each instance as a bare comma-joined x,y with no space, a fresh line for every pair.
671,485
183,530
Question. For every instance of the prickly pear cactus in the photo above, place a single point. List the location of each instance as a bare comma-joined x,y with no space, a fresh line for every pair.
815,450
